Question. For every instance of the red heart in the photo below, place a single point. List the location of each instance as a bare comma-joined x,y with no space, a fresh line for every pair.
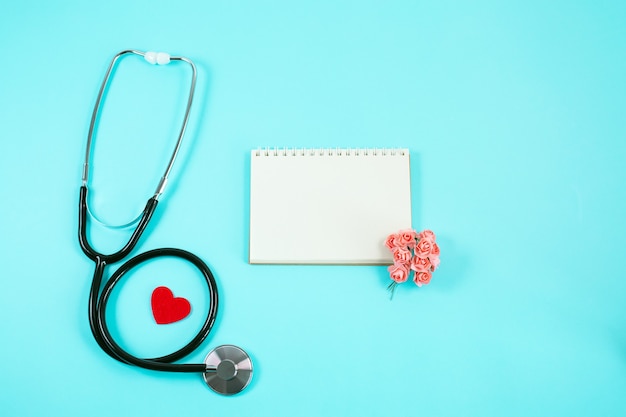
168,309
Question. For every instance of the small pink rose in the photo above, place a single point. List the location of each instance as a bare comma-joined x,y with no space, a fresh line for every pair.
426,234
398,272
423,248
434,261
422,278
420,264
392,241
435,250
401,255
407,237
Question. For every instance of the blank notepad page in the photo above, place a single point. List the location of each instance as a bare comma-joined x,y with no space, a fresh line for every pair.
327,206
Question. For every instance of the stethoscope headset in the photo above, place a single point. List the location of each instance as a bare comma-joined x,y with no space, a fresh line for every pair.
227,369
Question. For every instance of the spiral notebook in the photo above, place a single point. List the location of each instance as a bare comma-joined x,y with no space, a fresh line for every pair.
327,206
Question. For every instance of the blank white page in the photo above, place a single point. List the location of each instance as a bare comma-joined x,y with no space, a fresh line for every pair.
327,206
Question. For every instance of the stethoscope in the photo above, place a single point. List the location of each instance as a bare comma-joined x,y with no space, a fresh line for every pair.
227,369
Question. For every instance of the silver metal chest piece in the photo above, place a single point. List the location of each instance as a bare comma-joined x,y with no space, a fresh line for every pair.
229,370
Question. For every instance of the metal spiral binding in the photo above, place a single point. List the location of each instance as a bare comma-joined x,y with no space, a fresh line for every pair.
330,152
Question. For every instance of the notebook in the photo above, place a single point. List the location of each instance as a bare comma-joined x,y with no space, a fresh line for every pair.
327,206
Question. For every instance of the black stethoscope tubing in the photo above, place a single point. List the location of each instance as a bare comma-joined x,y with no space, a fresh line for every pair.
227,369
99,294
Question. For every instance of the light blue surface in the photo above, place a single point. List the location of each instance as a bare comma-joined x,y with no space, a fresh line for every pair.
514,113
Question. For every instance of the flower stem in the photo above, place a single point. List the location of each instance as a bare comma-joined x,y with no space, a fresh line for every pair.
392,289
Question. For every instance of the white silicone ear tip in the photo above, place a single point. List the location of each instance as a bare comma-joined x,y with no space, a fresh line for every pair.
162,58
151,57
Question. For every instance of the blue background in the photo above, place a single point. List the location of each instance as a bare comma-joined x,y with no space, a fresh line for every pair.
514,113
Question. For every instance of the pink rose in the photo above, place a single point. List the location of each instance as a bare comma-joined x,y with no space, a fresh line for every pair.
434,261
392,241
426,234
398,272
422,278
420,264
401,255
407,237
423,248
435,250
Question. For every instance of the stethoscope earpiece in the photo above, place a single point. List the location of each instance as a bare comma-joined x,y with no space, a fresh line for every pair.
228,370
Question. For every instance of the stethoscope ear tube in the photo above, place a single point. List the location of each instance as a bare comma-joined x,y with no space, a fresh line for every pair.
148,56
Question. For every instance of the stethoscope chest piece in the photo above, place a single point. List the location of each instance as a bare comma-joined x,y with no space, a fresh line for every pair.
229,369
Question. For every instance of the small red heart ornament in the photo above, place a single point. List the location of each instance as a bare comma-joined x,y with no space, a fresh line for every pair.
168,309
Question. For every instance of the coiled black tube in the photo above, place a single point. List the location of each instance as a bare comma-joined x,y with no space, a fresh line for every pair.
99,295
97,313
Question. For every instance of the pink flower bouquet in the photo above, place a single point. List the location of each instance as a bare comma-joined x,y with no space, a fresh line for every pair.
415,253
